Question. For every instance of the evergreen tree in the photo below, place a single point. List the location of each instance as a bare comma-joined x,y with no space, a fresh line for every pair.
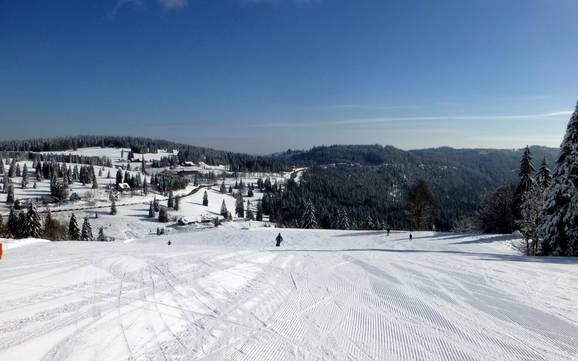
249,212
12,224
224,210
240,206
170,201
420,206
143,165
49,226
560,230
163,215
118,177
151,209
145,186
205,199
113,207
108,174
86,234
250,193
22,230
73,230
532,218
259,215
25,176
10,195
544,176
526,174
94,183
33,223
308,219
223,188
101,237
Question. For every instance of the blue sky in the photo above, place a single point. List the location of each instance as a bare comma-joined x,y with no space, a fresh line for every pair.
261,76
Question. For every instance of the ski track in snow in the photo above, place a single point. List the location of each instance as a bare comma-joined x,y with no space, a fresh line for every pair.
226,294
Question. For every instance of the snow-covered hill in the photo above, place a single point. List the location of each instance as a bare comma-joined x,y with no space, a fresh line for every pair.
227,294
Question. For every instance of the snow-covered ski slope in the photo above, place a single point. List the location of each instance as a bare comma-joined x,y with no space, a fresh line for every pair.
227,294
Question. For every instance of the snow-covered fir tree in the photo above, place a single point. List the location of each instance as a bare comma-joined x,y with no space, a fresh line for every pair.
113,210
240,206
308,219
205,199
86,234
224,210
560,230
151,209
33,223
249,212
73,230
531,212
101,237
544,175
163,215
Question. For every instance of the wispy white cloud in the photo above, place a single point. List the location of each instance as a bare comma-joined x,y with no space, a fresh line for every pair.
173,4
123,3
365,107
379,120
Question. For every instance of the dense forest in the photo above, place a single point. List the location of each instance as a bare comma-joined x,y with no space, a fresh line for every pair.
371,184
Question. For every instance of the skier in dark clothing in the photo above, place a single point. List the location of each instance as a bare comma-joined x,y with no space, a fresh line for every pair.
279,239
169,242
410,236
388,229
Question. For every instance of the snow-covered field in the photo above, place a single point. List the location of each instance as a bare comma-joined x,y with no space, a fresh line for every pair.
227,294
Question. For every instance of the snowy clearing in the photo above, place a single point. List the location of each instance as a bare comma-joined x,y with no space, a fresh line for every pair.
227,294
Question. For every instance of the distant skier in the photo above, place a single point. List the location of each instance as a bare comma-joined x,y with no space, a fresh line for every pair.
410,236
169,242
279,239
388,229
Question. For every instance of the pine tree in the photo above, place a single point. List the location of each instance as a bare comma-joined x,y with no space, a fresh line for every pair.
118,177
223,188
560,230
33,223
240,206
49,226
526,174
532,218
73,230
308,219
163,215
224,210
12,224
86,234
22,230
544,176
259,215
108,174
101,237
205,199
249,212
151,209
113,207
170,201
10,195
145,186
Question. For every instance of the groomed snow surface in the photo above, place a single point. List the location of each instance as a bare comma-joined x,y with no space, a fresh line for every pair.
228,294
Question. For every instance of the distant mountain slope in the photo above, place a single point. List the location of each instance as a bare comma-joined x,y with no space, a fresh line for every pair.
235,161
372,181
